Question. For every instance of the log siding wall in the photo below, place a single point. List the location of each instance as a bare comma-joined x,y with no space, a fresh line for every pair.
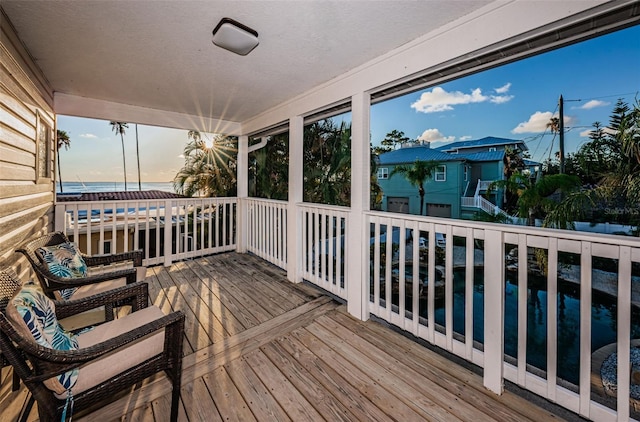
26,198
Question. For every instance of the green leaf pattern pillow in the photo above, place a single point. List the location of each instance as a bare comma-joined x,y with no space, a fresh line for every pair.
38,313
64,260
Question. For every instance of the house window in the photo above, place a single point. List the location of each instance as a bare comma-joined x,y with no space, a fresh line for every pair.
44,133
441,174
383,173
492,149
106,247
466,173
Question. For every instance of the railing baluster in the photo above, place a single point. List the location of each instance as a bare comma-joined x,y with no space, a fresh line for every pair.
522,308
431,287
469,276
552,317
624,332
585,328
493,310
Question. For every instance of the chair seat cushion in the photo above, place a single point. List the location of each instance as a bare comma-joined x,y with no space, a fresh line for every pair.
100,370
63,260
33,314
96,288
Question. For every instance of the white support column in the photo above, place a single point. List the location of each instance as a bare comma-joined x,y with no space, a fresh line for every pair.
357,245
168,233
296,188
60,216
242,178
493,310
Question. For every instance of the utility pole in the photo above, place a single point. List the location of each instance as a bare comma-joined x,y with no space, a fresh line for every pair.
561,132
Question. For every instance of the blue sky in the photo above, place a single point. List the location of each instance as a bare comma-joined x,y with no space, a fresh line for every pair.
512,101
516,100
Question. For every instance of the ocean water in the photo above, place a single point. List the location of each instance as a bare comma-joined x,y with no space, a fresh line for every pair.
79,187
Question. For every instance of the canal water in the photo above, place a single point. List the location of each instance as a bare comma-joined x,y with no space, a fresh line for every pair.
603,320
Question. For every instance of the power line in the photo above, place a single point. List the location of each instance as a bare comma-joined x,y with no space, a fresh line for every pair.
605,96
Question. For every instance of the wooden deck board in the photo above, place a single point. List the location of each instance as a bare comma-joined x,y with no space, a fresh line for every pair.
263,405
198,403
292,401
381,356
388,379
242,305
332,380
261,348
201,311
201,282
320,398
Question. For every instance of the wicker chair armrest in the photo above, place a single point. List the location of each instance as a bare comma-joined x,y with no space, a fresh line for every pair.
54,362
58,283
137,294
135,256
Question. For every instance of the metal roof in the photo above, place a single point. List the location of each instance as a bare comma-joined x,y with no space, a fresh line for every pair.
413,153
484,142
116,196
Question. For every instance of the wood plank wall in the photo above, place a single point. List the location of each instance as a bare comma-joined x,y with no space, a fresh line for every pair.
26,201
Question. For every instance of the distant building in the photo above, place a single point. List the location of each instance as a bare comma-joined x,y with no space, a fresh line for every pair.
458,186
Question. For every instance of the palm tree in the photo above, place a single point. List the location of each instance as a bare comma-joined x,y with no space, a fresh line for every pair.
119,128
327,163
63,140
138,156
539,198
417,174
623,179
209,168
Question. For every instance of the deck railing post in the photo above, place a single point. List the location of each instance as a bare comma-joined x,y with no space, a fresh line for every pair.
296,186
493,310
59,216
357,244
243,194
168,233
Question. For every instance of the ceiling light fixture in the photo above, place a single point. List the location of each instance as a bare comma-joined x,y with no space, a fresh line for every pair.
234,36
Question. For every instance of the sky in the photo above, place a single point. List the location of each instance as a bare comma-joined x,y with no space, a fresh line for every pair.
512,101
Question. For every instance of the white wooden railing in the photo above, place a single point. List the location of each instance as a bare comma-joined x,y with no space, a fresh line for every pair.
267,230
483,185
323,240
166,230
405,252
394,295
483,204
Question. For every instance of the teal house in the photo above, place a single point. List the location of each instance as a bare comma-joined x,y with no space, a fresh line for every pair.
459,185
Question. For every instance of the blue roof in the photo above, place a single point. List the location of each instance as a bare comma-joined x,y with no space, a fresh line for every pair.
530,163
484,142
411,154
484,156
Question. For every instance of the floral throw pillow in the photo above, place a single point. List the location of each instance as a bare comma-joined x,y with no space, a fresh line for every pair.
63,260
38,314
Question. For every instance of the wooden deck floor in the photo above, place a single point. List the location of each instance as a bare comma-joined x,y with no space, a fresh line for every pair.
260,348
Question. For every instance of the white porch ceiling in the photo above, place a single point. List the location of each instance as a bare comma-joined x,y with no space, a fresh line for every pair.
159,55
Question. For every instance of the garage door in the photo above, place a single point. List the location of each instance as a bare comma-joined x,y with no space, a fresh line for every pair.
398,204
439,210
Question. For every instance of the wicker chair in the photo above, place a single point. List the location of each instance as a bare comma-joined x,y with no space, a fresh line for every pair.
51,283
35,363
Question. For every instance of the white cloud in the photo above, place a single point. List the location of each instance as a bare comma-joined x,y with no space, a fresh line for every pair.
538,122
181,156
466,138
593,104
500,99
504,88
434,135
88,136
438,99
586,133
